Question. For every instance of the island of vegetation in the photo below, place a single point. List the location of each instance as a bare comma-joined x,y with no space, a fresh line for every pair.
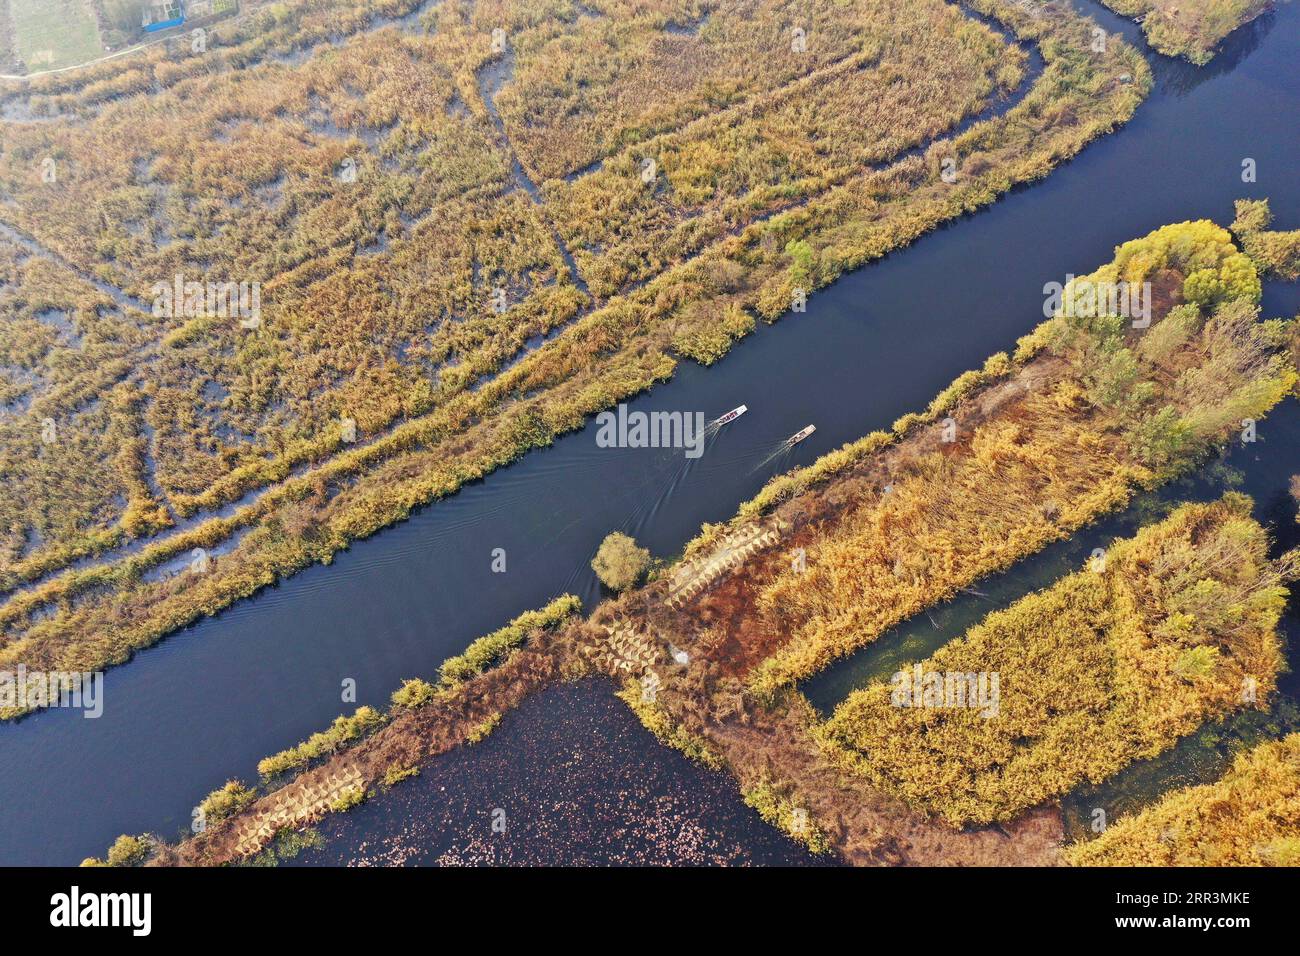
1189,28
1112,664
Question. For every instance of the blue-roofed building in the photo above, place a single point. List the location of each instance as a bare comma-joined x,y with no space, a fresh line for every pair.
163,14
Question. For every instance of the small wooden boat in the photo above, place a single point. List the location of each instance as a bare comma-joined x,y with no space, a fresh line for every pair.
731,416
800,435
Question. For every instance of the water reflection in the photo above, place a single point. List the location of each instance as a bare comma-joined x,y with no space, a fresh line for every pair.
1178,77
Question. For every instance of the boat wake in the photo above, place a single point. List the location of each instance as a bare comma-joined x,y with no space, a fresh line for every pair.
785,446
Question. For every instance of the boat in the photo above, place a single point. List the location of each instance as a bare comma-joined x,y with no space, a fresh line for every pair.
732,415
800,435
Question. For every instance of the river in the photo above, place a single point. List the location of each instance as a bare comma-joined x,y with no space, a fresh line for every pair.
207,703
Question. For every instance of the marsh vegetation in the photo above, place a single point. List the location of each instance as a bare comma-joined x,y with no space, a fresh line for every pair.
1089,408
425,318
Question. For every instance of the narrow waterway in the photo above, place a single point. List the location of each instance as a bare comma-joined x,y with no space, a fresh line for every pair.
206,704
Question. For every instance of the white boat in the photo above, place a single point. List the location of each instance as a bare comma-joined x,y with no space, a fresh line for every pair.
800,435
732,415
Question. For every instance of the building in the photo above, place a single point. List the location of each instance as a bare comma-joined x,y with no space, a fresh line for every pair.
162,14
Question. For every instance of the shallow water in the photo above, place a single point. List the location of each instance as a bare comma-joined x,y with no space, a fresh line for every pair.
207,703
568,778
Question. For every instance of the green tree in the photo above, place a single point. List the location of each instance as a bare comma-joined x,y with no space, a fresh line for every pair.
619,563
1160,438
1203,287
1114,377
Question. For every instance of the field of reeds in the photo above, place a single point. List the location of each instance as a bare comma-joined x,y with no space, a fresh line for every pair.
1112,664
1249,817
441,287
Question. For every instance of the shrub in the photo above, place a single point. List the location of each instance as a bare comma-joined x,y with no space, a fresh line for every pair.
620,563
709,335
397,773
349,798
489,649
1253,215
413,694
782,813
129,851
1276,253
344,730
226,801
125,851
481,730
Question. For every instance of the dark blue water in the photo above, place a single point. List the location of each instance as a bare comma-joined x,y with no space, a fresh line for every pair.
574,780
207,703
